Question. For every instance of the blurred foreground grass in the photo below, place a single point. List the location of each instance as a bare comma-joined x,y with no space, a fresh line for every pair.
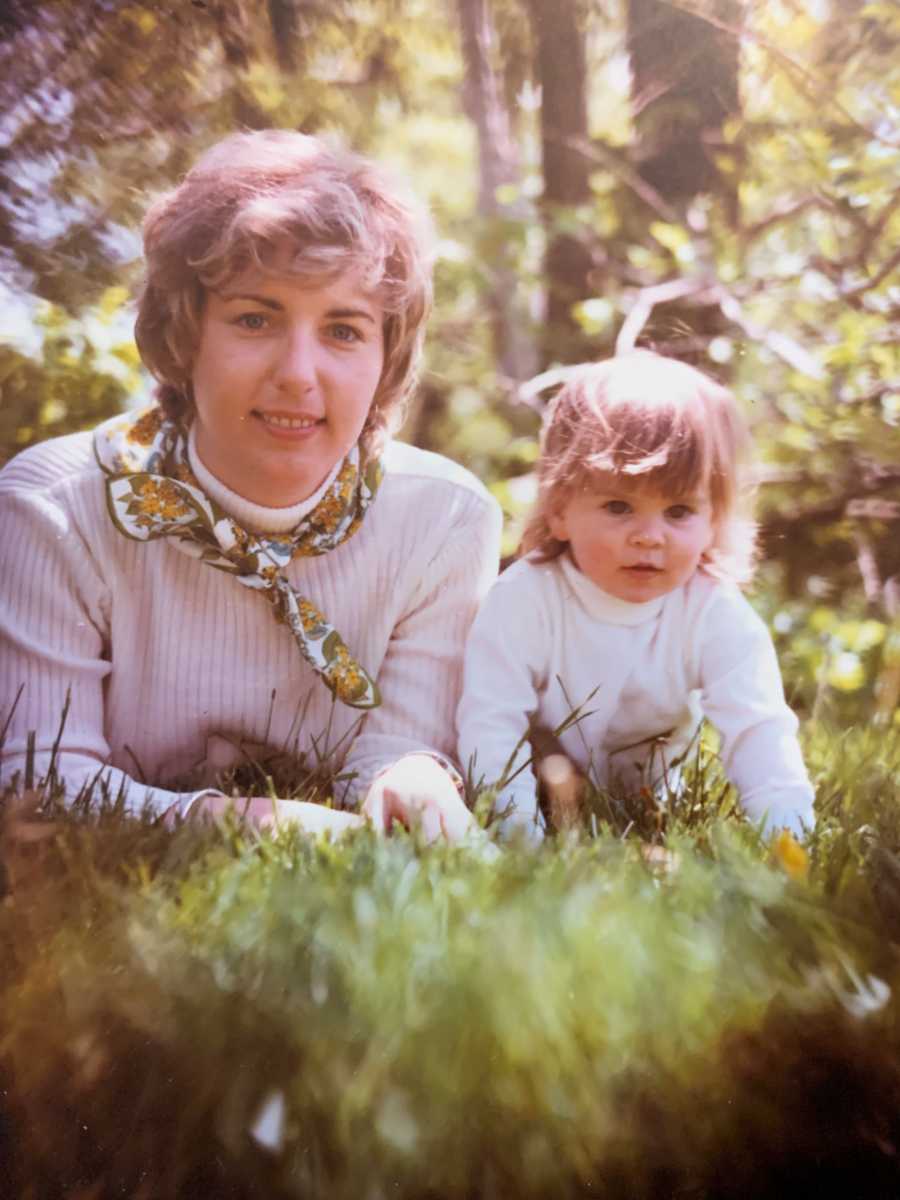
210,1013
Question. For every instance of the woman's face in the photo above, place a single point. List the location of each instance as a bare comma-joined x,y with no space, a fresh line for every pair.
284,377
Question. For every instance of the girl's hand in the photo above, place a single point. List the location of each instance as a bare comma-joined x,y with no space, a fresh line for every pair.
417,791
265,813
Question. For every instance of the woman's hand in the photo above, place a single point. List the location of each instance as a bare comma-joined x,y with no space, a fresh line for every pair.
265,813
417,791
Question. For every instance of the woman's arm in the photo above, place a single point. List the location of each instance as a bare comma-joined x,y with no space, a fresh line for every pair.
743,696
55,607
421,676
54,611
265,813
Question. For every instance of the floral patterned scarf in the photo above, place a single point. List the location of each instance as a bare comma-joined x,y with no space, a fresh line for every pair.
152,493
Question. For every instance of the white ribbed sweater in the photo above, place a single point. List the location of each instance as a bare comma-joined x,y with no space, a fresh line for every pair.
547,640
172,665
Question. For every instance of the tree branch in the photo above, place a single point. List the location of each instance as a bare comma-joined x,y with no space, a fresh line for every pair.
646,301
888,268
780,524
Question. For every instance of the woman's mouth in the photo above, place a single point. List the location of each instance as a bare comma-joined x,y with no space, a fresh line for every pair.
294,425
286,420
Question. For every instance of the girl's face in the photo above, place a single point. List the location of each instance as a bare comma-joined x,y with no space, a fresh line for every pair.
634,541
284,377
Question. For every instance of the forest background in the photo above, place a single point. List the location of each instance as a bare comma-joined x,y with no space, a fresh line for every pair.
715,178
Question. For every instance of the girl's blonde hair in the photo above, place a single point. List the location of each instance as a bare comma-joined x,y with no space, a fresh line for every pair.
259,200
653,420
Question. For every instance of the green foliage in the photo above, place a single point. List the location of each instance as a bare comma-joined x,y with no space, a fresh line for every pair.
790,267
209,1011
76,382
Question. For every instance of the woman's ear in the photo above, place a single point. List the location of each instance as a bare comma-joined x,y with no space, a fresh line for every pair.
558,525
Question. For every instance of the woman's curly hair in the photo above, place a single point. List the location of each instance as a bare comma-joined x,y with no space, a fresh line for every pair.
258,200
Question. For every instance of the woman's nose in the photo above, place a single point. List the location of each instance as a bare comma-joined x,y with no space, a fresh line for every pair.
295,369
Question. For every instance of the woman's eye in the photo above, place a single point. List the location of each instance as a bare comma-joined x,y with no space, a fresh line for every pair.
345,333
618,508
253,321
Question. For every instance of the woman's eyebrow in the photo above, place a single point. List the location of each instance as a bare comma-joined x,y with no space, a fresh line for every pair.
277,306
344,313
264,300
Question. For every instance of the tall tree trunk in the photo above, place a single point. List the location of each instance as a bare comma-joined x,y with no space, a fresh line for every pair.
684,88
497,166
284,24
562,74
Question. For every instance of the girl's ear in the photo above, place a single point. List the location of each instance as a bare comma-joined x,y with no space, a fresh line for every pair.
706,556
714,530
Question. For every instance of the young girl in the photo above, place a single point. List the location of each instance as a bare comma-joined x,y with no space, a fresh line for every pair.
625,605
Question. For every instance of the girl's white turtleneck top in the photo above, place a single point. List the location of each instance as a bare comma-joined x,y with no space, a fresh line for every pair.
548,643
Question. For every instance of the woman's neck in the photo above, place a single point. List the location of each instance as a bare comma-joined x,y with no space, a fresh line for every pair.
255,517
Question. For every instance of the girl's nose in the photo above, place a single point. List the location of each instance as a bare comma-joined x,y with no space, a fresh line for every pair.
647,532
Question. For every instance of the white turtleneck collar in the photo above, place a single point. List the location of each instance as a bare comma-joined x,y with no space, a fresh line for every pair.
254,517
601,605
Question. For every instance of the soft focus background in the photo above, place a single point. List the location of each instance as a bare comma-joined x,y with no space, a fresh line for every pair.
713,177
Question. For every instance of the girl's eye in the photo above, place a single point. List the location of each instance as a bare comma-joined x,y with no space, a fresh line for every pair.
678,512
254,321
618,508
345,333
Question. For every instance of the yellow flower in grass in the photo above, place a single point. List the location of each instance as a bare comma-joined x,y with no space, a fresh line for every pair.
790,855
146,427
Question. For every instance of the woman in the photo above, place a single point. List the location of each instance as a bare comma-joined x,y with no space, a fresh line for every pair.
251,565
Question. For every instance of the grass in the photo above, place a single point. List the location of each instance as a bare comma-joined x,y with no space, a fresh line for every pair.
213,1013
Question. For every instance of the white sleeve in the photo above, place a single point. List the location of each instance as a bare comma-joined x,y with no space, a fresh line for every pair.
421,676
501,694
742,695
54,608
